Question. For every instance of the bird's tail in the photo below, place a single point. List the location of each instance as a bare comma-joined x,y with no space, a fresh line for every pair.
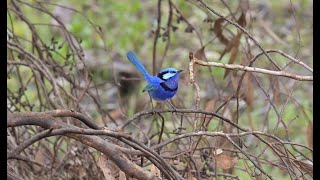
135,61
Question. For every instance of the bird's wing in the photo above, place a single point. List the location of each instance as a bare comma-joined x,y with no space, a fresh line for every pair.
150,87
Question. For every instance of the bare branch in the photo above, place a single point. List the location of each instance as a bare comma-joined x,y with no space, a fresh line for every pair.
251,69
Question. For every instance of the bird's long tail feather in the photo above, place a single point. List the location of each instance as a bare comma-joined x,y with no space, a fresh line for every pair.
135,61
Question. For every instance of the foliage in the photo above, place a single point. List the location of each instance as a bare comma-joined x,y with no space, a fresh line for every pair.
66,61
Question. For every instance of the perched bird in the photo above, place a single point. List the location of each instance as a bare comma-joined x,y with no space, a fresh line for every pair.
161,87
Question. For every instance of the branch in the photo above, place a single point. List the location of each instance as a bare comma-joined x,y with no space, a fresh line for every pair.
142,113
249,69
109,149
240,28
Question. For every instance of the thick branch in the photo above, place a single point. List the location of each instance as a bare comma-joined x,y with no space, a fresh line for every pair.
109,149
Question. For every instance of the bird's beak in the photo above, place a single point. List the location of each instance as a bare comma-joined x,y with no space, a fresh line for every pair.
179,71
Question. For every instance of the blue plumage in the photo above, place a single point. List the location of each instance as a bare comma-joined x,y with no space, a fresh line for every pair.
161,87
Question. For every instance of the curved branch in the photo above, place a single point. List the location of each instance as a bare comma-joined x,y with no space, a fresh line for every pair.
142,113
109,149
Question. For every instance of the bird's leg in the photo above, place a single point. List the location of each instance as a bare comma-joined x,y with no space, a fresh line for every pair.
154,111
172,106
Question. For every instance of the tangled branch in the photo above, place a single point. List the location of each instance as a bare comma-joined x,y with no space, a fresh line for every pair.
69,115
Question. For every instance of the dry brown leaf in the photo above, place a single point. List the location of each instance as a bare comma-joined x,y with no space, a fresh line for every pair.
217,29
232,59
234,81
190,176
209,107
43,156
275,90
225,162
250,120
200,53
305,167
117,113
249,90
122,175
186,79
310,134
227,128
234,43
104,166
242,20
154,170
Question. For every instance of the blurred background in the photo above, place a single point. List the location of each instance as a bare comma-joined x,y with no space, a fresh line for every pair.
72,55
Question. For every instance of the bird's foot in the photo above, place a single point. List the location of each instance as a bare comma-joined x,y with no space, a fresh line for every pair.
154,111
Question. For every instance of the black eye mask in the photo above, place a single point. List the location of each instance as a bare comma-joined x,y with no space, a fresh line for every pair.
160,75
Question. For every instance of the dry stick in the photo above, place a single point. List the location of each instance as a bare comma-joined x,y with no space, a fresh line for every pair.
195,167
72,129
23,158
242,29
188,23
30,141
274,150
195,128
198,35
142,113
252,69
280,118
98,30
255,133
68,35
44,121
297,61
153,153
255,58
35,41
35,36
32,67
156,36
69,113
130,168
277,115
152,158
69,38
60,166
162,128
169,25
235,151
227,136
63,131
192,81
246,68
289,162
41,67
96,100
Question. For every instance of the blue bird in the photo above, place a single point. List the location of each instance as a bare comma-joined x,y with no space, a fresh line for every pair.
160,87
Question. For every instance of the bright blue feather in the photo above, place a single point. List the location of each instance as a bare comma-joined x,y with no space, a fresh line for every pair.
135,61
161,87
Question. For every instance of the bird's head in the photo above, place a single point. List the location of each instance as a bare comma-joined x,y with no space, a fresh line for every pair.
168,73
